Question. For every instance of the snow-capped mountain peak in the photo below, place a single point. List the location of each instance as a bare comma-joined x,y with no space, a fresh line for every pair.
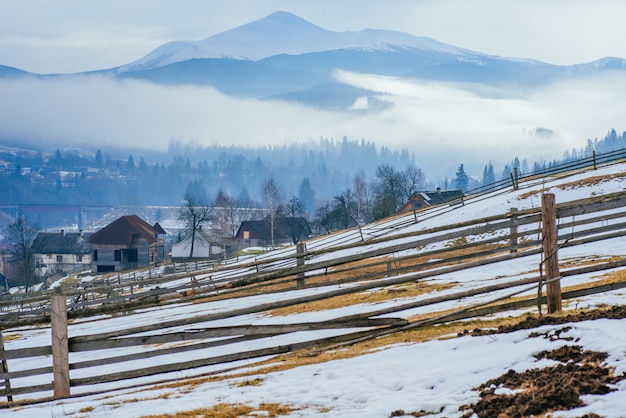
280,33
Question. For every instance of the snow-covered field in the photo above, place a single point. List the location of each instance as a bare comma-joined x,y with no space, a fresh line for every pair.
437,377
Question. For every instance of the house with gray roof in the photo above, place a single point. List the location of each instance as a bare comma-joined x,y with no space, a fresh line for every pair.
61,252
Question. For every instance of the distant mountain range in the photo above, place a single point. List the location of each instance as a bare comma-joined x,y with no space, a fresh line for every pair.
282,56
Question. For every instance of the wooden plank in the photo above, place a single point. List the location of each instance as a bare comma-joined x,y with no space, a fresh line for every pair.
60,352
4,368
550,252
23,390
163,351
86,344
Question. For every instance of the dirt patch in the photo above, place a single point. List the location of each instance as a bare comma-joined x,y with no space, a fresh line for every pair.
615,312
538,391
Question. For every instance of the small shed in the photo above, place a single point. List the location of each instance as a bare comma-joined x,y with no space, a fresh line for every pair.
203,247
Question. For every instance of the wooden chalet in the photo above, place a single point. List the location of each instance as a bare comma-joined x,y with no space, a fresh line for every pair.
259,233
61,252
422,200
126,243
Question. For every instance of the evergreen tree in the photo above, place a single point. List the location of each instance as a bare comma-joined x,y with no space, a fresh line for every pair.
489,176
461,179
98,160
130,164
307,195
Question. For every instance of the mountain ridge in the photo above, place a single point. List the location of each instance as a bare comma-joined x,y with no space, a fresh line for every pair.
280,33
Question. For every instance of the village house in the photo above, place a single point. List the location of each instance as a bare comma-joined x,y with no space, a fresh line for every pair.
126,243
204,246
61,252
422,200
259,233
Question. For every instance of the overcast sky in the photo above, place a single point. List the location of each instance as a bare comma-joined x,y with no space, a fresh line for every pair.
77,35
446,122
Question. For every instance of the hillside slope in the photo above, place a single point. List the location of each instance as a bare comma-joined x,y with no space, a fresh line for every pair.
428,371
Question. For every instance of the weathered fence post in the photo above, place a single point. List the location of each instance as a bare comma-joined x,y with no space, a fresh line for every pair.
5,369
550,252
595,167
60,352
300,263
514,226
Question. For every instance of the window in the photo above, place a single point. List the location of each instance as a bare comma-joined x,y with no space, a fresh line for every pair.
79,258
95,255
246,234
59,258
118,255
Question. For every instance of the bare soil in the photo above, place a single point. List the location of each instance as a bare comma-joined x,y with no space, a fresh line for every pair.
541,390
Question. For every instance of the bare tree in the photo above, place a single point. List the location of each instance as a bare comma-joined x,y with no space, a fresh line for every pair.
295,211
393,187
340,213
412,179
17,242
231,213
272,196
387,191
362,200
194,212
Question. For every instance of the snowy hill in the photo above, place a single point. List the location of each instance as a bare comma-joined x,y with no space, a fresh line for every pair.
417,375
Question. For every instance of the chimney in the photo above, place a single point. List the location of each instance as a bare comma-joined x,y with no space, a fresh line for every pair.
438,189
63,232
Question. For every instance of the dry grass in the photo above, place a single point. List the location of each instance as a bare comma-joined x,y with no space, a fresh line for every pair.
587,261
379,295
14,336
586,182
253,382
223,410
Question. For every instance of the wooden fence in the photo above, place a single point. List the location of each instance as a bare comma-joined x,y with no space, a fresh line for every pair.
379,263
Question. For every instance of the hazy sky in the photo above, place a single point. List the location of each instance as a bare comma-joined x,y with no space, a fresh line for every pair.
78,35
50,36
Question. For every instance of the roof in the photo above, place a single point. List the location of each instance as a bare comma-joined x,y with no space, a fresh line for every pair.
123,230
431,198
160,231
60,243
440,196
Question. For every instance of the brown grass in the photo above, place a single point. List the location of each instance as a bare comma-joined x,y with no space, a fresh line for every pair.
406,290
223,410
586,182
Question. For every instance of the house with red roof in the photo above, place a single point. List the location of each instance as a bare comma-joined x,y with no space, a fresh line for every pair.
128,242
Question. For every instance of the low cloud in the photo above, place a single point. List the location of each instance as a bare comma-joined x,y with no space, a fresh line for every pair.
444,125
